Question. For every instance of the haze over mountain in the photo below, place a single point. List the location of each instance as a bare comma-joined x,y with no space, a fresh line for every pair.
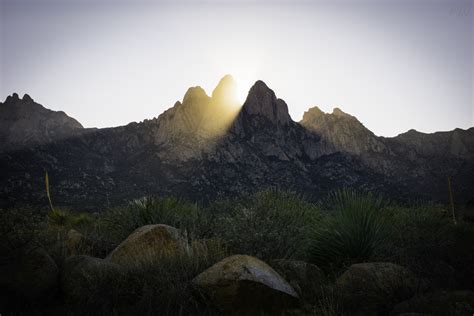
205,146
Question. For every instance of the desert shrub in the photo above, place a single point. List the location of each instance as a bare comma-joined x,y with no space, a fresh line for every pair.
65,219
270,224
117,223
166,281
159,285
329,303
19,227
460,255
352,230
425,239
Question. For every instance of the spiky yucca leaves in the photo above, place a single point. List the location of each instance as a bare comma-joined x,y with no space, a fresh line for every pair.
119,222
352,233
65,219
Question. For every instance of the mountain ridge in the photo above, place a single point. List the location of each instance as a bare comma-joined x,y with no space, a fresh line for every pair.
204,146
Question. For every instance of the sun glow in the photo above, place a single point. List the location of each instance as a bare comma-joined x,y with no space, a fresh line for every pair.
242,88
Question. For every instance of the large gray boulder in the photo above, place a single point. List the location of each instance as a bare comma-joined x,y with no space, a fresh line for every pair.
374,288
147,244
243,283
32,274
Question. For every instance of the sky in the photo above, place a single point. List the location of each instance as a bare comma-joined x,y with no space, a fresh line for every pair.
394,64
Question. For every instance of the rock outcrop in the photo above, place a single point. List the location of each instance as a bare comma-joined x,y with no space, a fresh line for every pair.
341,132
25,123
242,283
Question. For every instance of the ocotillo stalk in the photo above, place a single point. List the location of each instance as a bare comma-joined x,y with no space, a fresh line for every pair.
451,201
46,180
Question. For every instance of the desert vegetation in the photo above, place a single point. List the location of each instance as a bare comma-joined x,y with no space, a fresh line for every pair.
352,253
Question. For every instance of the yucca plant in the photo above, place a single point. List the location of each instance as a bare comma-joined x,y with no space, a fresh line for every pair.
352,233
119,222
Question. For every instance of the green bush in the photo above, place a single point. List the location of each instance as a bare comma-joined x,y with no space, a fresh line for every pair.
270,224
19,227
65,219
352,230
118,223
425,239
159,285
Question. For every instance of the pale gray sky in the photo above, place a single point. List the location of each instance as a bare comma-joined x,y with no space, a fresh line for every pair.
395,64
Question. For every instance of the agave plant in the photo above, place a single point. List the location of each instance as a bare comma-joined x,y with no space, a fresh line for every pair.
352,233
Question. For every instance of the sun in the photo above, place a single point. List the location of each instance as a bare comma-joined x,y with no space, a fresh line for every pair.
242,89
243,85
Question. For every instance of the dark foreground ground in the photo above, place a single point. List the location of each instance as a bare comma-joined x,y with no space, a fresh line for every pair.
266,253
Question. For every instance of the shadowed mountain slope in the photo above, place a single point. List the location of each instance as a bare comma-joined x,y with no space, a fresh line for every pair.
208,145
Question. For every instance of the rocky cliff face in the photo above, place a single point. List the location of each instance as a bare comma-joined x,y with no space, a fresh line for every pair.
341,132
24,123
209,145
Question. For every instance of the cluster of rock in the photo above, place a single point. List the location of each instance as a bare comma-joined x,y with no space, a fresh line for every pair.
237,284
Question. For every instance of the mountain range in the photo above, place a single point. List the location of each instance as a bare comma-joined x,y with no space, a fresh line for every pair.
209,146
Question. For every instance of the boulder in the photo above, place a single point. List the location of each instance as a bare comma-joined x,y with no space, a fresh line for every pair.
243,283
306,278
374,288
85,279
32,274
148,243
438,303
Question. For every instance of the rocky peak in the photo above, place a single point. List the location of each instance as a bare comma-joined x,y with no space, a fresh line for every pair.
262,101
340,131
27,98
24,122
225,91
195,95
339,113
12,99
312,114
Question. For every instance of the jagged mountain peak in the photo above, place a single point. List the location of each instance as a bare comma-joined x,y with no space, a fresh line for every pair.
195,94
338,112
262,101
226,86
14,98
225,93
23,123
341,131
312,113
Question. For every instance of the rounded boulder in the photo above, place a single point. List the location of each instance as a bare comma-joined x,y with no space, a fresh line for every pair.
375,287
244,283
148,243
